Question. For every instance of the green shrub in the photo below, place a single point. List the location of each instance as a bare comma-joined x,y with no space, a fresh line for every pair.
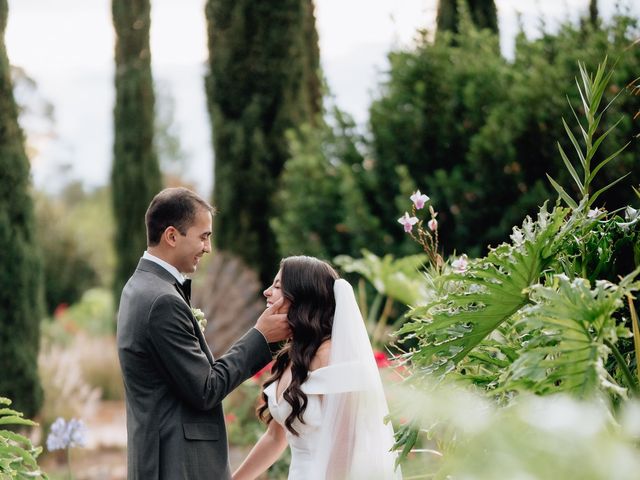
18,457
478,133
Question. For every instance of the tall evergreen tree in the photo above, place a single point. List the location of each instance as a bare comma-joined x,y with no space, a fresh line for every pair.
263,80
483,14
593,12
136,176
21,292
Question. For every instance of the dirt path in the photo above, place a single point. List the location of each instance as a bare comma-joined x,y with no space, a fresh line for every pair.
105,456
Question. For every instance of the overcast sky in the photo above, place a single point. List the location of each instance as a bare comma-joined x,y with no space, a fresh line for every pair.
66,46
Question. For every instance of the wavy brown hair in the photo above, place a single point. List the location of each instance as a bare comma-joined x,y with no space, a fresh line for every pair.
307,283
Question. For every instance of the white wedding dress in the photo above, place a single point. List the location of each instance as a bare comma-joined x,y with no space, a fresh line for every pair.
344,435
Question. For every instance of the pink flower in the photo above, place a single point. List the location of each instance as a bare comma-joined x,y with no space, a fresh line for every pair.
408,222
433,224
419,199
460,265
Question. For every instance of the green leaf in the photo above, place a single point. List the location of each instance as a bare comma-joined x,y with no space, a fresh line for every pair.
15,420
605,161
605,188
572,170
569,352
576,146
400,279
563,194
635,325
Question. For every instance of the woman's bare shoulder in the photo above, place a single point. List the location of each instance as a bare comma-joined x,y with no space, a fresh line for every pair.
321,358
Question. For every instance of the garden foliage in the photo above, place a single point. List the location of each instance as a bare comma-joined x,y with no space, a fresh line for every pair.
475,130
552,310
479,132
18,457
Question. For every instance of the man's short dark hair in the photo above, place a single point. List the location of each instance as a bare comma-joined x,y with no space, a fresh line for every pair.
173,207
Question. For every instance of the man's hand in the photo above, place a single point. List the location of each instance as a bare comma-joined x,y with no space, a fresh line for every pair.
273,322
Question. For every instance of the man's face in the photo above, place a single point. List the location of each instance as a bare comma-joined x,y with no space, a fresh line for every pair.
191,247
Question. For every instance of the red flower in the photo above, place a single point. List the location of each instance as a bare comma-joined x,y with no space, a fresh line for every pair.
230,418
60,310
258,375
381,359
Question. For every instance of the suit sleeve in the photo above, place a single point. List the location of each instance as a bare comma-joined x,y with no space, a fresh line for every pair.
177,350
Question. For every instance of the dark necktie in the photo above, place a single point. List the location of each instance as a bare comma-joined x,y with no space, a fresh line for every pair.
186,289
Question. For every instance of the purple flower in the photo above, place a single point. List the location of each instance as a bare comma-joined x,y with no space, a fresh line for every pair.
419,199
65,435
408,222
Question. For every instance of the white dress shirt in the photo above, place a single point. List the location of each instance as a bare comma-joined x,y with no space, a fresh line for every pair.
167,266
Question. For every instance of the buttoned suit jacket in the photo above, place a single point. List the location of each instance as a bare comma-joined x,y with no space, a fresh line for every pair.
173,385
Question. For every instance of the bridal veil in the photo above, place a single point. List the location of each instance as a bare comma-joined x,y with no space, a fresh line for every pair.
354,441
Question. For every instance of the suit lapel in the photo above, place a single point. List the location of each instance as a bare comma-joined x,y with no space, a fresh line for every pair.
149,266
203,341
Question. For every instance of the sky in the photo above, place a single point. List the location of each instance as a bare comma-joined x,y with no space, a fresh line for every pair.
66,47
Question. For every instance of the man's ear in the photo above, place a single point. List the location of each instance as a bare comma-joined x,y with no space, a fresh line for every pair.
170,236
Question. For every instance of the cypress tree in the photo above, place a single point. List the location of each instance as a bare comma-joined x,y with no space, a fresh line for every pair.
593,12
483,14
263,80
136,176
21,293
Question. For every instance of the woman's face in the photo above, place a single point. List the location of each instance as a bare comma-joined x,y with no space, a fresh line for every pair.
274,292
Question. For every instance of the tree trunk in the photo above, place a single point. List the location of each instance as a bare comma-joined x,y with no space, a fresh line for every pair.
483,14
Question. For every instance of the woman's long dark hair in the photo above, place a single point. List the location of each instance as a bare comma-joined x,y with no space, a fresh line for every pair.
308,284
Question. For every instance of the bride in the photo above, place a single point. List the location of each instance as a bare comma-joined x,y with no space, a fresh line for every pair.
324,397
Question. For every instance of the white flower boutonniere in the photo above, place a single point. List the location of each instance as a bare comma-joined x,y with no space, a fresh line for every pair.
199,316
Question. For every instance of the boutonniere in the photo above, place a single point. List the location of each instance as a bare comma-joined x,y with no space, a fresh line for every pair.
199,316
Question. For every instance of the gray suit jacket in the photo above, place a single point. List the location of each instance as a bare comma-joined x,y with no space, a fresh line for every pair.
173,385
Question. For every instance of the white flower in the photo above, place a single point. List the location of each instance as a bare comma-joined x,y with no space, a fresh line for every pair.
594,213
199,316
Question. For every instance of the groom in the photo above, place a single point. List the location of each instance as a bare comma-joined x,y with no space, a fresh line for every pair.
174,387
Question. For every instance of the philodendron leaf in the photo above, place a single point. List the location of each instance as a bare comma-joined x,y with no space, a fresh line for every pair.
484,296
578,332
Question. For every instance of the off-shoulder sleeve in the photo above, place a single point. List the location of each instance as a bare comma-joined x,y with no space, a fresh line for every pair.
337,378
